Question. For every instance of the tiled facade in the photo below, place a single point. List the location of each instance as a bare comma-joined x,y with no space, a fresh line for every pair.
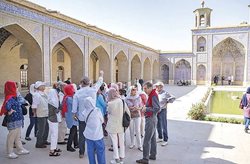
87,49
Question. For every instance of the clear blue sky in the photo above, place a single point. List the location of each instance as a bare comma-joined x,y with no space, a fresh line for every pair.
161,24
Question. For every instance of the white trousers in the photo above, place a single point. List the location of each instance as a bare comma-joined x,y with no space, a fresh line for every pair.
62,130
114,139
14,136
53,129
135,129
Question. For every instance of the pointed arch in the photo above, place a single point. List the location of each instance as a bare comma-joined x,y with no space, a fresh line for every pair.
121,67
99,60
165,73
68,55
155,70
147,75
182,71
201,74
17,47
229,60
135,68
201,44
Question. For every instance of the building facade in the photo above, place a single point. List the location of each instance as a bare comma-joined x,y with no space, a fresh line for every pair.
40,44
222,52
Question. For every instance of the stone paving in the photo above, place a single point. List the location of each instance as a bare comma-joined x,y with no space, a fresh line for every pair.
190,142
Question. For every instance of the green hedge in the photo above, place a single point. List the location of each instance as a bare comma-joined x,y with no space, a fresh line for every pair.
224,119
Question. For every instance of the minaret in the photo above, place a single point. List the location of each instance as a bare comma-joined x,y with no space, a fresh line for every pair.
202,16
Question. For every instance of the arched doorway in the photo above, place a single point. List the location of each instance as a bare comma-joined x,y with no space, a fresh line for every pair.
182,71
99,60
228,60
201,74
155,71
17,46
67,61
147,70
135,69
121,67
165,73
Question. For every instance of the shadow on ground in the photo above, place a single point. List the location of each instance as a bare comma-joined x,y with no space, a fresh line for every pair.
189,143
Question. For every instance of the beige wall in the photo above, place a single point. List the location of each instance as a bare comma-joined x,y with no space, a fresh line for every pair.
10,61
66,64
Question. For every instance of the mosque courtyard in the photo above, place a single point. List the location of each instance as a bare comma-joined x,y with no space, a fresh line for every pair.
190,142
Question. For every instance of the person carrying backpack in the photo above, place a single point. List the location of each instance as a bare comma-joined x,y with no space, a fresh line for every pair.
246,108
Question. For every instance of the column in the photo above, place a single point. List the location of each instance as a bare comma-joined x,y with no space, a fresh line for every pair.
47,58
86,57
142,69
112,63
129,69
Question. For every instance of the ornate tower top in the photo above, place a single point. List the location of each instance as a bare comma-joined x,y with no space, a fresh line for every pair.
202,16
202,4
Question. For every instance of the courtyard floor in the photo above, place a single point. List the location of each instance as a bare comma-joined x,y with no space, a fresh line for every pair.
190,142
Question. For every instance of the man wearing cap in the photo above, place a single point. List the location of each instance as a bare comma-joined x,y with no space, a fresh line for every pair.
79,107
164,98
40,110
152,108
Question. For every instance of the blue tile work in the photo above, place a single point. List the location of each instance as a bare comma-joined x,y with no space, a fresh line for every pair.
222,30
28,14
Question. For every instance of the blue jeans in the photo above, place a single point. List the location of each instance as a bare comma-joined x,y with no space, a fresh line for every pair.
247,122
33,122
162,125
81,143
97,147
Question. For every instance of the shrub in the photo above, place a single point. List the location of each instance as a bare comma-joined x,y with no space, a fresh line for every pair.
224,119
197,111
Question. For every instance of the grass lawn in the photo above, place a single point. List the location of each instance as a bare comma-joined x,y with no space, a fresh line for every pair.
226,102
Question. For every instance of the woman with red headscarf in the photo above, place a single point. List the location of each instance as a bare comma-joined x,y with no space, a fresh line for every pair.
12,108
71,122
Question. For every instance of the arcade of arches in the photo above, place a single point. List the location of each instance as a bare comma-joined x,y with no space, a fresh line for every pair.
36,44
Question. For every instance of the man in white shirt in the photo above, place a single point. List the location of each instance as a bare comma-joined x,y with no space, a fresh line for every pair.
79,108
40,110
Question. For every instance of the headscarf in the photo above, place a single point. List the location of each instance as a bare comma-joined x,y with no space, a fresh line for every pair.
112,94
129,96
120,85
115,86
140,91
89,103
68,92
248,90
10,90
244,98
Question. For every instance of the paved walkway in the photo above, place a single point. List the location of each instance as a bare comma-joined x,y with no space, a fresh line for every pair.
190,142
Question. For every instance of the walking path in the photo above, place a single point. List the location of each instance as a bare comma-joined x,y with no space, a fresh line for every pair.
190,142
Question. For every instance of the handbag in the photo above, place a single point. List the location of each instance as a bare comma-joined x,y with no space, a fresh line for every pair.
24,109
5,120
125,117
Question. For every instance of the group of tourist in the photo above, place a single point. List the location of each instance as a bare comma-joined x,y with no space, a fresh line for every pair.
96,111
230,79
